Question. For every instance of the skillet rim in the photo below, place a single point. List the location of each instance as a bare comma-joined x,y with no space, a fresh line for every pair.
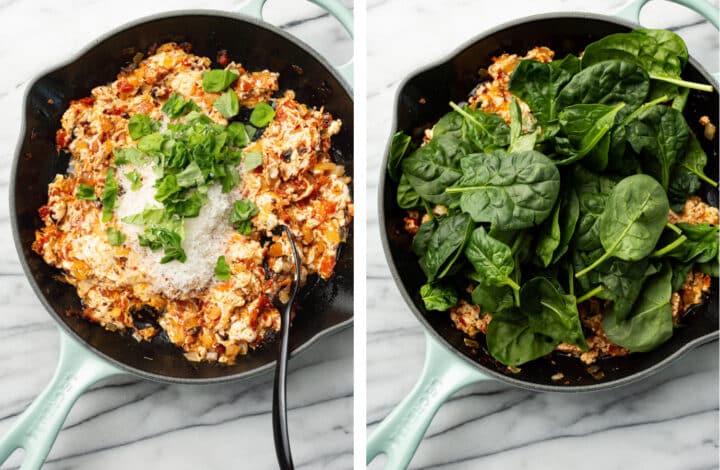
428,329
258,371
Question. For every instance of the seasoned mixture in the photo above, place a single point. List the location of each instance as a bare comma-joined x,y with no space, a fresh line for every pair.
491,246
164,221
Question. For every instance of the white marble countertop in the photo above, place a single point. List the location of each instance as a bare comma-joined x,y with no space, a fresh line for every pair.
669,421
134,423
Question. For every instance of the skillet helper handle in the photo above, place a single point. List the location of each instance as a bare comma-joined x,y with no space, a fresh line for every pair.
632,11
400,433
36,429
254,8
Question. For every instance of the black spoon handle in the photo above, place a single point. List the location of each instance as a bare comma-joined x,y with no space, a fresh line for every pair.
279,411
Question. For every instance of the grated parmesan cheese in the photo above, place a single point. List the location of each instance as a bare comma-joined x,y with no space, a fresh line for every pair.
206,236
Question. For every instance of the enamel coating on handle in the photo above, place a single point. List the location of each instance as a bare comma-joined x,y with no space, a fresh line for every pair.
704,8
36,429
254,8
400,433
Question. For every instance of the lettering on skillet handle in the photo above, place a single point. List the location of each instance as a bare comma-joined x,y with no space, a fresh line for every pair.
426,396
70,381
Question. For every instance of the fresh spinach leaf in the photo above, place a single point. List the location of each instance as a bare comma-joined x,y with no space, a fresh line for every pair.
445,245
548,239
511,341
434,167
438,296
592,191
407,197
610,82
398,148
538,84
552,313
421,240
492,259
586,127
649,324
569,215
634,217
519,142
701,245
660,135
493,298
485,131
509,190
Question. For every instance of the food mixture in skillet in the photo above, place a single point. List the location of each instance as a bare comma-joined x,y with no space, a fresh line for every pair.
559,208
164,221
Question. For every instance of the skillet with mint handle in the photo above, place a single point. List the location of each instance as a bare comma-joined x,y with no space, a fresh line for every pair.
88,352
450,364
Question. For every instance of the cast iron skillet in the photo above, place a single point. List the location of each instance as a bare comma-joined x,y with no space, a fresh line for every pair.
450,364
88,352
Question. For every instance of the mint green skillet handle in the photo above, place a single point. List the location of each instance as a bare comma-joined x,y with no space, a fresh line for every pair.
400,433
334,7
704,8
36,429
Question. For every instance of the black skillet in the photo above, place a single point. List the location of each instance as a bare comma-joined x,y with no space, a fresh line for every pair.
451,364
89,353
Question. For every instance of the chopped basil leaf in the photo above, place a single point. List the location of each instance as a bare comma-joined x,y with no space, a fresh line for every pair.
109,194
86,192
215,81
222,269
238,134
135,180
253,160
167,187
190,176
141,125
115,237
169,241
176,106
240,217
262,114
130,155
151,142
227,104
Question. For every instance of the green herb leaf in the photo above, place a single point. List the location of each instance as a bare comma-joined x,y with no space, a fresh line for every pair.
85,192
252,160
438,296
398,148
237,132
130,155
167,187
176,106
227,104
190,176
445,245
222,269
215,81
151,143
240,217
109,194
135,180
141,125
115,237
262,114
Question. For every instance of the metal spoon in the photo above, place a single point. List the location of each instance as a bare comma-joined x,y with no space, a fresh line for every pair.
279,411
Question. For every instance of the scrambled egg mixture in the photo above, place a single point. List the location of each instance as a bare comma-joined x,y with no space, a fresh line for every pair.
124,286
493,96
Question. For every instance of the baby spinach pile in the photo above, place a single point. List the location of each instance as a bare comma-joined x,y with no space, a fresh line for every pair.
569,204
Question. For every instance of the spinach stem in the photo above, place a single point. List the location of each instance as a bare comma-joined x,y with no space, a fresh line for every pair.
643,107
683,83
590,294
428,209
708,180
571,279
674,228
670,247
516,244
512,284
594,265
